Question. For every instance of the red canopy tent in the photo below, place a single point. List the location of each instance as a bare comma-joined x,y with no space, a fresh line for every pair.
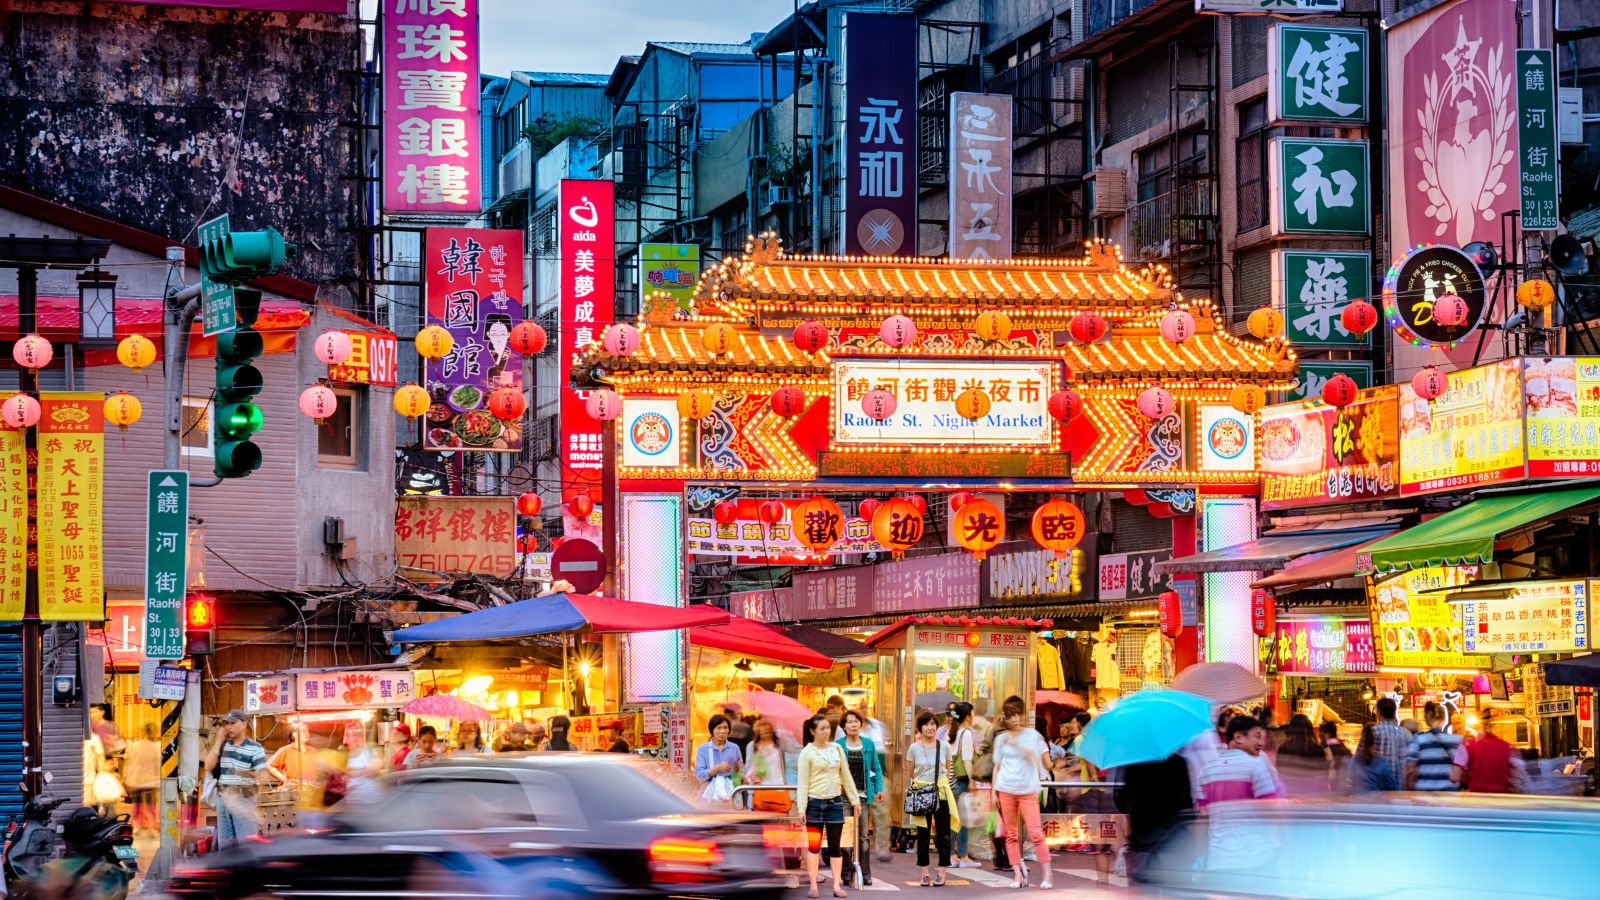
748,637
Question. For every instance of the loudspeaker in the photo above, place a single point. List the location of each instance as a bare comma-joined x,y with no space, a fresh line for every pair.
1484,254
1566,256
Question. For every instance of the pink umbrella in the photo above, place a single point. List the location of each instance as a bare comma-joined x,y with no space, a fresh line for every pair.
784,712
446,706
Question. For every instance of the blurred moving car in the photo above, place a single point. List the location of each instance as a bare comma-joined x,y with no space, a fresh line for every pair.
1398,846
550,826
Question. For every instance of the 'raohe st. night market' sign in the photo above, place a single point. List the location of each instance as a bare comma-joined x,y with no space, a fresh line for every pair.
925,411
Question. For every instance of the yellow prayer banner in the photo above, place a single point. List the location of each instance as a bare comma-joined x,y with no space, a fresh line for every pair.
13,524
72,448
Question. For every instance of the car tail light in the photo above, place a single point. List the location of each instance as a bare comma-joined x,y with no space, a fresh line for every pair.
684,860
783,837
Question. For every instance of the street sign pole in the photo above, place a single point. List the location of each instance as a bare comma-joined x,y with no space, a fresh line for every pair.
166,579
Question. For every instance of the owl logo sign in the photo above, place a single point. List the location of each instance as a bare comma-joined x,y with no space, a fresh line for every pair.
1227,438
651,433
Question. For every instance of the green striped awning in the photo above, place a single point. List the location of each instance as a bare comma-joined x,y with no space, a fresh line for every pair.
1466,534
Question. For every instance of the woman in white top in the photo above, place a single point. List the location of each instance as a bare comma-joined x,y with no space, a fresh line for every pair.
1020,760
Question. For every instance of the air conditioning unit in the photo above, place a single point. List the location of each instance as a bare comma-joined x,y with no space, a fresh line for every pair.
1110,193
778,194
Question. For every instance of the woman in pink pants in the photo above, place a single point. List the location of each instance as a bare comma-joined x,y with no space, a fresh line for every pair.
1020,757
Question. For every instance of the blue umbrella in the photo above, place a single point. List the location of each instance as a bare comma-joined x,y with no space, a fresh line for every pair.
1144,727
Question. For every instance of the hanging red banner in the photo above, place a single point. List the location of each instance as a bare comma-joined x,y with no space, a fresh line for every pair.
586,225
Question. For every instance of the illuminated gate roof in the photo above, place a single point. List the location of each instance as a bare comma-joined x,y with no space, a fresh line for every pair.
765,293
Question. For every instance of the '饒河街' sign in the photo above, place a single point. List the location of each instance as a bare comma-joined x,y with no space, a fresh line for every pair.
925,392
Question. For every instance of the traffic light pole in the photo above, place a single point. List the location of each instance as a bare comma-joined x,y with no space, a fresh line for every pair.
179,311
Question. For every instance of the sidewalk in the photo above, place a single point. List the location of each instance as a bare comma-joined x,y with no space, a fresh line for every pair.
1075,872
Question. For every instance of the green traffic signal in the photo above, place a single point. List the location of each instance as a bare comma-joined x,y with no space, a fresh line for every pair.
236,419
238,256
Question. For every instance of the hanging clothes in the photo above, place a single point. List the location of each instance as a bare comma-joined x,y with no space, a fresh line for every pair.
1048,660
1106,675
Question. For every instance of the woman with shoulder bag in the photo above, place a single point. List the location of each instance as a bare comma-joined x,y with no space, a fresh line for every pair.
930,805
823,787
766,766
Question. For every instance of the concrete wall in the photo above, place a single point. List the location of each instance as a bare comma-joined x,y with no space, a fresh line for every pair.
161,116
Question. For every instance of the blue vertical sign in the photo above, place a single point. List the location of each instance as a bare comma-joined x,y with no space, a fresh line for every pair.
880,147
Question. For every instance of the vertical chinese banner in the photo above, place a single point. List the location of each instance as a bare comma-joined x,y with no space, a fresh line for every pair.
13,524
980,176
432,153
1452,138
71,461
473,278
588,286
880,150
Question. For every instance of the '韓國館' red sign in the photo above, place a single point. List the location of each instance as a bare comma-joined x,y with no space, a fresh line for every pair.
432,150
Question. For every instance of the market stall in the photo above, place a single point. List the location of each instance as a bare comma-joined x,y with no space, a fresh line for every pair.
979,659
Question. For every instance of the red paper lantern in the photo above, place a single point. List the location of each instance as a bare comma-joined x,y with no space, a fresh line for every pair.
960,499
773,511
788,401
529,504
810,336
581,506
725,512
318,402
1177,326
507,403
1339,391
1058,526
1263,612
1359,317
917,501
1170,608
1088,327
1156,403
603,405
528,338
870,506
1451,311
878,404
1065,405
897,526
32,352
818,523
898,332
979,526
20,411
332,347
527,543
1429,383
621,339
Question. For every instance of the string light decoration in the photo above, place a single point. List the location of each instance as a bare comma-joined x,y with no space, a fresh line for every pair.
772,301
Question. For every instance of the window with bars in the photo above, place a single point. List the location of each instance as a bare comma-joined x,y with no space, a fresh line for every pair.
1252,164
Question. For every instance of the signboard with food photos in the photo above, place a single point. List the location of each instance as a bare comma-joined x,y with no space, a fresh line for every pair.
1470,435
1313,454
1414,626
1562,395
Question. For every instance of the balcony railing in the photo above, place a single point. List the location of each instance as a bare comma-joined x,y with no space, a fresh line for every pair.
1177,217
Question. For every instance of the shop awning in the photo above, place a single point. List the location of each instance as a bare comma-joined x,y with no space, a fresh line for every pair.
1320,568
836,646
747,637
1271,551
1467,533
1579,671
959,622
556,614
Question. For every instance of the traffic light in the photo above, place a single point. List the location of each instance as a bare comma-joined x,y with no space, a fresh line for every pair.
235,418
234,257
200,624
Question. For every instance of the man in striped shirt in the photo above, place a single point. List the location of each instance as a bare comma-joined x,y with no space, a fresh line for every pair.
240,765
1432,753
1239,772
